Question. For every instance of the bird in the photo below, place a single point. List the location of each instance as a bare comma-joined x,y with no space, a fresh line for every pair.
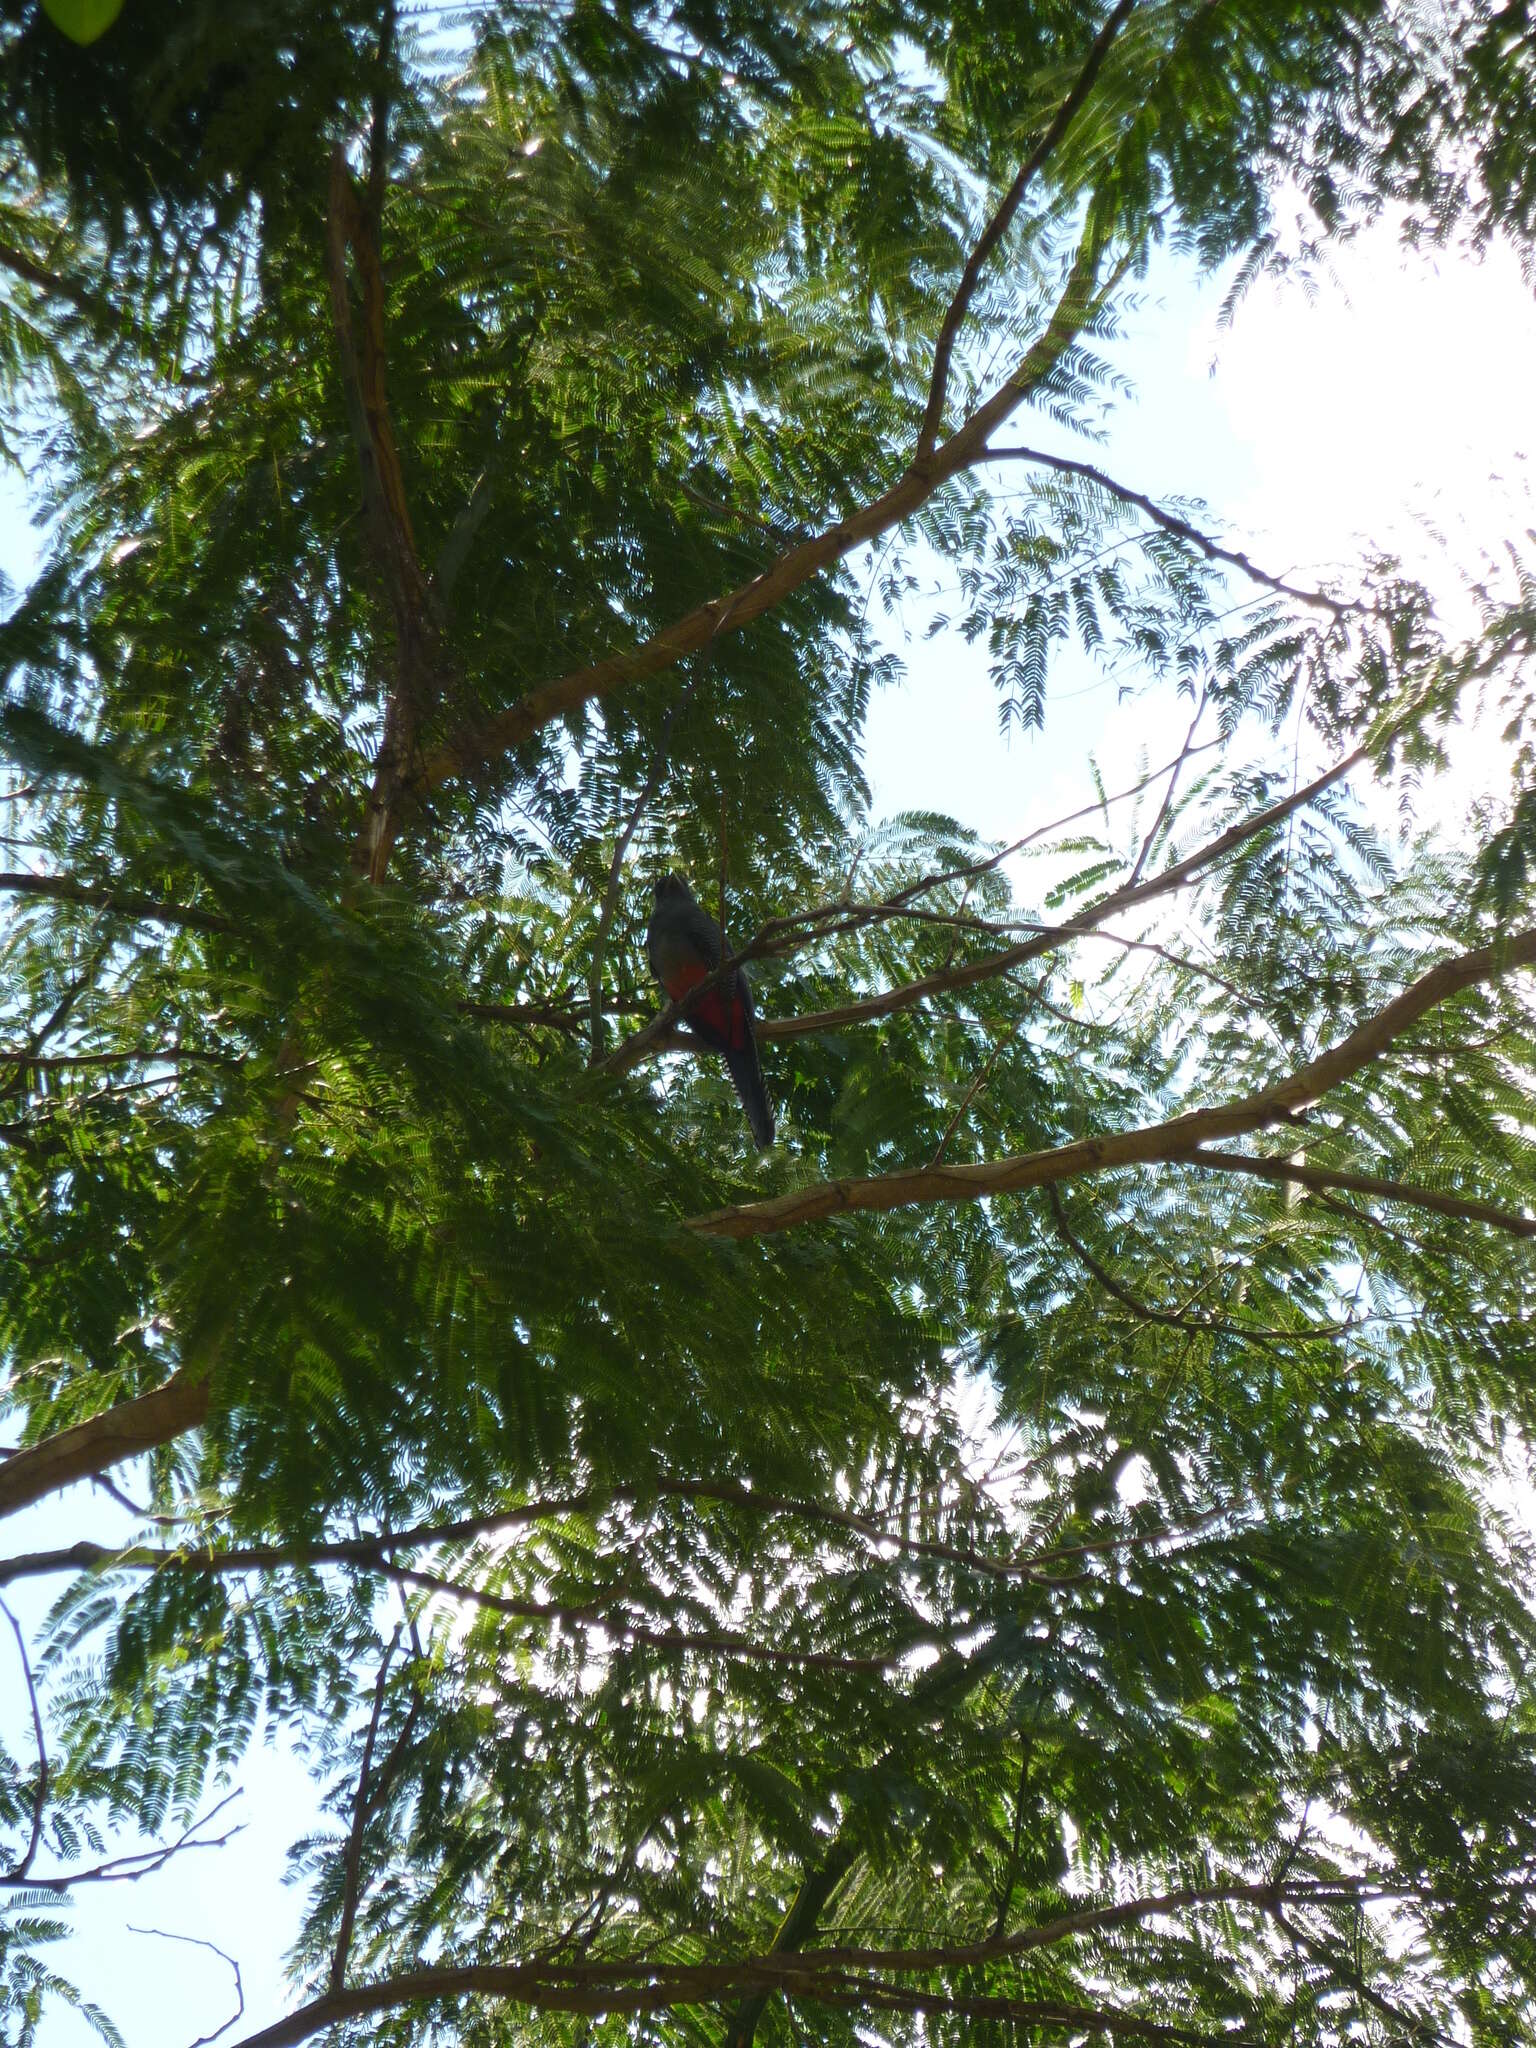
682,943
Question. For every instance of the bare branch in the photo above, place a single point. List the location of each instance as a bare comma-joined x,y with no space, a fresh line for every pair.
19,1870
150,1055
196,1941
1174,1139
139,1862
998,225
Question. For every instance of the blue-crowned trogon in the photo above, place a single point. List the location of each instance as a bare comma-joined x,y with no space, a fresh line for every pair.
683,945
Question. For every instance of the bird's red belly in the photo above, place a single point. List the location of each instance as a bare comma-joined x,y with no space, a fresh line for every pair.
709,1010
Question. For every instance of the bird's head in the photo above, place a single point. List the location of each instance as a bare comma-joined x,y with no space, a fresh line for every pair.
671,888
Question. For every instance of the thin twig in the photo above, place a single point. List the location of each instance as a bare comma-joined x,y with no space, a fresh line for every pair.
976,1086
1170,522
1167,803
1175,1319
196,1941
139,1862
353,1868
40,1797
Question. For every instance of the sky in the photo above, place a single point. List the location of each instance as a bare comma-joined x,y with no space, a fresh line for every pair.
1397,404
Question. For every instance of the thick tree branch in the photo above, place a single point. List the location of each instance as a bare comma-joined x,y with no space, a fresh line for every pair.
1174,1139
103,1440
641,1984
1002,219
644,1986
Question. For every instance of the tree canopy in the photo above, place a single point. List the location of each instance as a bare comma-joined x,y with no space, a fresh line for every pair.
1030,1557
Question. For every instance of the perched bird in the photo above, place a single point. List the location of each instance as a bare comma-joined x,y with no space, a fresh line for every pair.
682,943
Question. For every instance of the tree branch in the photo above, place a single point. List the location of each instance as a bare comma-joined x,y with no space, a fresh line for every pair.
196,1941
643,1986
121,901
1171,1140
420,661
140,1863
20,264
19,1870
604,1610
1131,894
1170,522
103,1440
1166,805
1173,1319
1329,1178
352,1870
998,225
366,1549
472,748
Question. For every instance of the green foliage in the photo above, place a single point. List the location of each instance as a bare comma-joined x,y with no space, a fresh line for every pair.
952,1581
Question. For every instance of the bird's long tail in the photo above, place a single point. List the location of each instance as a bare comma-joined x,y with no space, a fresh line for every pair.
746,1074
